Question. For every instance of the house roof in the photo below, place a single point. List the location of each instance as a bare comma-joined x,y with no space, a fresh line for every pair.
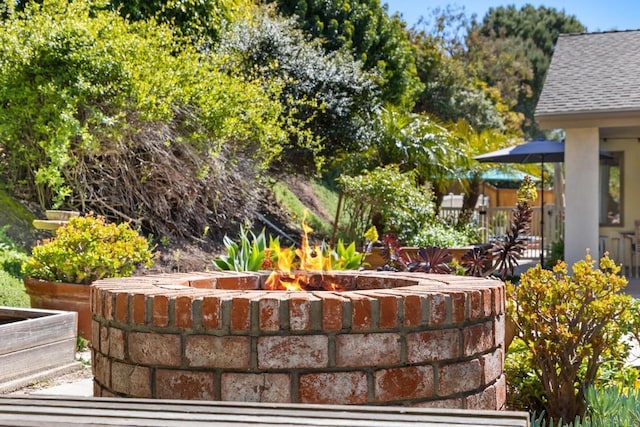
592,73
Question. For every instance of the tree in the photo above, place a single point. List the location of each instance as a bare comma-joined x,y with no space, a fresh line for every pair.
450,93
526,34
365,29
328,92
472,143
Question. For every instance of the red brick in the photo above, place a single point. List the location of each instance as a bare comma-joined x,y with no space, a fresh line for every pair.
360,311
291,352
95,333
459,377
116,343
203,283
475,305
413,382
133,381
496,307
160,310
101,369
337,388
218,352
331,312
269,317
239,282
493,366
274,388
387,308
154,349
501,393
412,310
486,399
187,385
241,313
382,349
107,299
375,282
93,300
499,330
139,309
183,311
477,338
211,313
103,341
458,305
438,305
437,345
122,307
487,300
299,312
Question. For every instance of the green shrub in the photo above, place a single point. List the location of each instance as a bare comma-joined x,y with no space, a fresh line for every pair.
11,255
524,388
87,249
440,234
571,325
11,260
12,292
388,199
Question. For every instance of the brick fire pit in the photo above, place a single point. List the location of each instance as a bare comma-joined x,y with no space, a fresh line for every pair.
390,339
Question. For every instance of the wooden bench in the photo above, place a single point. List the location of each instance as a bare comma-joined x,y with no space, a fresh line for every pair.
52,411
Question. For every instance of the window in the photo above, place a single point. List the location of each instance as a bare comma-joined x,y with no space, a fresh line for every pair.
611,190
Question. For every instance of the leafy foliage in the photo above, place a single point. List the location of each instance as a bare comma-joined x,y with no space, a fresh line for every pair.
127,120
329,94
416,142
606,407
12,292
388,199
571,325
346,257
247,255
450,92
364,30
11,255
200,20
87,249
440,233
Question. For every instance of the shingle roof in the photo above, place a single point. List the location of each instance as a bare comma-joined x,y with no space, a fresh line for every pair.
594,72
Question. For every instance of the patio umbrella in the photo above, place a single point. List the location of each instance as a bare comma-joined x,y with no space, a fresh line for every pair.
538,150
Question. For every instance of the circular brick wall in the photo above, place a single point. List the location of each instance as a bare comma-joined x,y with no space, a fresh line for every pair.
392,339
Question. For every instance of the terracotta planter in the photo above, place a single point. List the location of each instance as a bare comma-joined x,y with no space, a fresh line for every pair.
62,296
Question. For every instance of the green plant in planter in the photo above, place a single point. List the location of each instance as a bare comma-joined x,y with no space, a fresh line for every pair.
88,249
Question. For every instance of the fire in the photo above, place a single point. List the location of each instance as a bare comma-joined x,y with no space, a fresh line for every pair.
310,259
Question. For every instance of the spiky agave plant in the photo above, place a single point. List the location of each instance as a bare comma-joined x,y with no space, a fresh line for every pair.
433,260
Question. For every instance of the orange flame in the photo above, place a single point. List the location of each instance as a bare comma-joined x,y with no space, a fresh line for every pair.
311,259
